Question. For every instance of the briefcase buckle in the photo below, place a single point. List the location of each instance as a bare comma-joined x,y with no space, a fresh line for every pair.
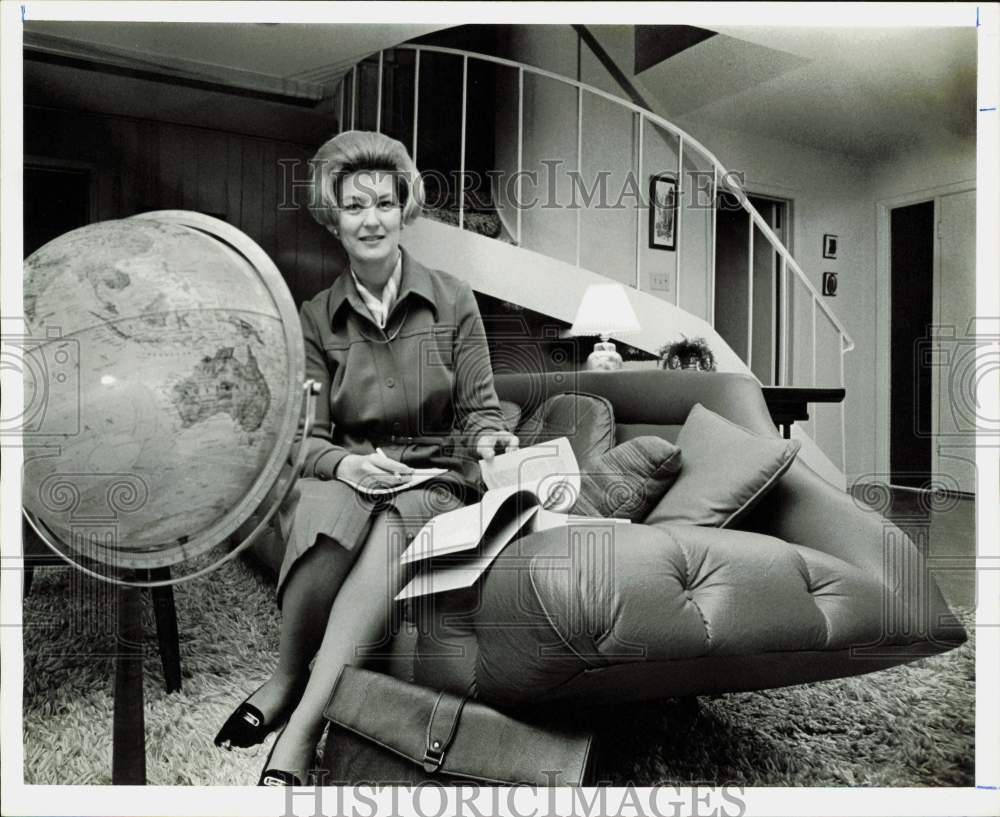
433,756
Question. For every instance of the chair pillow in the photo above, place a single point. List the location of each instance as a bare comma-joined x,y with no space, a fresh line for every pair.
727,470
588,421
627,481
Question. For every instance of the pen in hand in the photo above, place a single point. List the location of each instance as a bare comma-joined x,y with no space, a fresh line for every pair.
406,473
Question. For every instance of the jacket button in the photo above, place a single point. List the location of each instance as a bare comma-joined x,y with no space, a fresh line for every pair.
389,382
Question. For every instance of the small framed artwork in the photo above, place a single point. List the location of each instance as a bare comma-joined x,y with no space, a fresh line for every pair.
830,284
663,211
829,246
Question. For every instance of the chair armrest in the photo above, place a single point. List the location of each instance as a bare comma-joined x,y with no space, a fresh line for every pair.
650,396
806,510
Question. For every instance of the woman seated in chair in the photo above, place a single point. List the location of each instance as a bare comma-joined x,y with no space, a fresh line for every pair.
405,381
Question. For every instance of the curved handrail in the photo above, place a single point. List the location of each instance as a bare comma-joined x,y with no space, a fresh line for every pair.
658,120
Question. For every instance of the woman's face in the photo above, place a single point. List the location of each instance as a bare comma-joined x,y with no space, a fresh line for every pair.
369,219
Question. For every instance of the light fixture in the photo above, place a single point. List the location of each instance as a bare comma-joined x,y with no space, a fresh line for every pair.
605,310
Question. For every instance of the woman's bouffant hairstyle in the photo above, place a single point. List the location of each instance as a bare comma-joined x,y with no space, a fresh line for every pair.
356,150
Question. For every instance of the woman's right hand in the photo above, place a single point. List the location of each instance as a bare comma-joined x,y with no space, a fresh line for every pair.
373,470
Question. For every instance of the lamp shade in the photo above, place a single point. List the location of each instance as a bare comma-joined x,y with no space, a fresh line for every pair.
605,310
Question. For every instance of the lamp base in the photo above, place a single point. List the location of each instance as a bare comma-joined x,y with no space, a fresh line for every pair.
604,357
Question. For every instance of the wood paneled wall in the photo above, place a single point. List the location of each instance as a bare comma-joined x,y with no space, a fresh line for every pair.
139,165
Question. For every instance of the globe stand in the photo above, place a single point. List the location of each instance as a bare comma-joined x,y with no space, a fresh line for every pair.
128,742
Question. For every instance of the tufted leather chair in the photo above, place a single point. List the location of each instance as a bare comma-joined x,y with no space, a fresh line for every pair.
813,586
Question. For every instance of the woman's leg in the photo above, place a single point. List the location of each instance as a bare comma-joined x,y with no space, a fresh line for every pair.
305,604
359,618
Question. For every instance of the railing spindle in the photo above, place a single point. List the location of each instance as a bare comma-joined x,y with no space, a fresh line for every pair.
343,102
416,101
520,148
843,421
783,327
814,342
774,322
711,276
638,204
812,407
461,167
354,98
678,207
378,96
750,260
579,162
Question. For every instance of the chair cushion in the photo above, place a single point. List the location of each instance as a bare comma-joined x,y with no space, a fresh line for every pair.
628,481
727,470
586,420
561,607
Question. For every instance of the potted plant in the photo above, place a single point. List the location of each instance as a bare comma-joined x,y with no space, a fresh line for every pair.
687,353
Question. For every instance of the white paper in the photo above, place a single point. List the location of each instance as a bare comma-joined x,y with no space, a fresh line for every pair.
418,476
443,577
546,519
458,530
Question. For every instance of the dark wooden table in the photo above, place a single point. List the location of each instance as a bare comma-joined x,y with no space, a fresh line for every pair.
788,404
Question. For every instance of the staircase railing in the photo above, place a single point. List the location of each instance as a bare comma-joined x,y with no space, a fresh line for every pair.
794,342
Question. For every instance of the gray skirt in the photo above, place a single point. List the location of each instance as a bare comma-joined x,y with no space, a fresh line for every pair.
333,508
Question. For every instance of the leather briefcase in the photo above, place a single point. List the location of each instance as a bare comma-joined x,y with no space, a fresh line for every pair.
384,731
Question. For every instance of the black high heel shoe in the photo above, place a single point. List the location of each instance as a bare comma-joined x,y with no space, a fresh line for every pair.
276,777
246,727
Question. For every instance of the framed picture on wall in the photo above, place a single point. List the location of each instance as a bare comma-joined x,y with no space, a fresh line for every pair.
829,246
663,211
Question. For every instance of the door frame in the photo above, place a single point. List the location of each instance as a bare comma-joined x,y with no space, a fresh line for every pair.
786,238
883,309
779,196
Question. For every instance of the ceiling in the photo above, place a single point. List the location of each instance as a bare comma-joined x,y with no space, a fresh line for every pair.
314,53
863,92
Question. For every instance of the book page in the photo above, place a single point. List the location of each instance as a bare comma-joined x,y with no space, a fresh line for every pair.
546,519
548,469
461,529
420,475
438,578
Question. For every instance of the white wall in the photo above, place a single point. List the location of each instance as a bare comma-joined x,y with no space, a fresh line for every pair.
928,167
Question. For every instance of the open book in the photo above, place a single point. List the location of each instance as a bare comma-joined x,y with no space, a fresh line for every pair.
528,491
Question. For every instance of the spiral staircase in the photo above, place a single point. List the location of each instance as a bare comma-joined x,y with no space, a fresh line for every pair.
568,199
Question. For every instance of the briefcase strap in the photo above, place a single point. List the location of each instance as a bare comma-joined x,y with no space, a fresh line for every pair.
441,728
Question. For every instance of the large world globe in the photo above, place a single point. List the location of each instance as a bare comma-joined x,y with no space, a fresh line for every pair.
163,373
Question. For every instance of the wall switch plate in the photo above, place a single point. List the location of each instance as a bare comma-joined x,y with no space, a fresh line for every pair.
659,281
830,284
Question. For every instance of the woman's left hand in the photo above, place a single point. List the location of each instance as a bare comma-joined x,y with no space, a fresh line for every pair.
487,444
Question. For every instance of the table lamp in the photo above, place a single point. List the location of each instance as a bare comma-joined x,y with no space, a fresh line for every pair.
605,310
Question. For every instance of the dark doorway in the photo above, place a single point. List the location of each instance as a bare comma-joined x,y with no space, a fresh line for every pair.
911,312
56,200
732,285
